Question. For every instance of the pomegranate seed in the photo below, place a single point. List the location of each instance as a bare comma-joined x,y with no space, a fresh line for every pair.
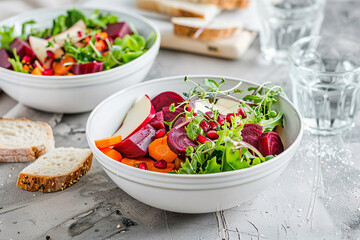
241,112
213,124
228,117
189,108
50,54
26,59
162,164
194,114
204,125
79,34
160,133
221,119
209,115
143,165
212,134
97,35
48,72
201,139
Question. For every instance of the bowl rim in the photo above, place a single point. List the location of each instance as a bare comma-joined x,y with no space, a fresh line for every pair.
189,176
78,79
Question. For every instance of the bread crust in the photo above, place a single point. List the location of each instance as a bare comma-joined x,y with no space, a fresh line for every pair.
31,153
159,7
207,34
46,184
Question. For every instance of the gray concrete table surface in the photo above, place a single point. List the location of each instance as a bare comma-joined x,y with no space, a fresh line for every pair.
316,197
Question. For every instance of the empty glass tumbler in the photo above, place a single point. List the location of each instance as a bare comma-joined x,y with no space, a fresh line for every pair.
325,76
285,21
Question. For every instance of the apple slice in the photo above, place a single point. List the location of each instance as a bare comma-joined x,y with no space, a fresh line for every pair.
40,47
138,116
226,105
76,32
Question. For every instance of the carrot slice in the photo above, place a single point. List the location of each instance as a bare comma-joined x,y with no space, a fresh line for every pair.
112,154
169,168
160,150
103,35
100,45
59,67
107,142
36,71
149,163
135,162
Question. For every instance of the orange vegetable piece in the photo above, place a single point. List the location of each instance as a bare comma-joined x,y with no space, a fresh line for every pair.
36,71
103,35
135,162
169,168
177,163
107,142
69,74
59,67
26,67
149,162
112,154
160,150
100,45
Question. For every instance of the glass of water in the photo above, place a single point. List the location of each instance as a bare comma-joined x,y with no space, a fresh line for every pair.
285,21
325,76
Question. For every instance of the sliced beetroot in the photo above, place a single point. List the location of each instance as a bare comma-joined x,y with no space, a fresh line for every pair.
169,115
165,99
119,29
136,145
4,62
270,144
178,121
22,49
85,68
178,141
251,133
158,121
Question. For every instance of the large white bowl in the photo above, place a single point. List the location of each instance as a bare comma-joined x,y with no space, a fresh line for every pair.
188,193
80,93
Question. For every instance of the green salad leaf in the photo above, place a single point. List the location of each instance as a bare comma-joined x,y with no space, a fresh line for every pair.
16,63
228,152
6,36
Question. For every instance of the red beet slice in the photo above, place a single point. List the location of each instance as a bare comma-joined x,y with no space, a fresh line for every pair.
178,141
158,121
169,115
270,144
119,29
251,133
165,99
85,68
4,62
22,49
178,121
137,144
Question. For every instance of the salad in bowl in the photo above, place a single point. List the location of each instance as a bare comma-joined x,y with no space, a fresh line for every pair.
75,43
207,130
223,140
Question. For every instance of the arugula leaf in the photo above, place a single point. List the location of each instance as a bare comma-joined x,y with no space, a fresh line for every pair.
74,16
23,27
193,128
270,124
59,25
16,63
6,36
211,166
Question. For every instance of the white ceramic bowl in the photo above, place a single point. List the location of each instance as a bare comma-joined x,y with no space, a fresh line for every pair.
80,93
188,193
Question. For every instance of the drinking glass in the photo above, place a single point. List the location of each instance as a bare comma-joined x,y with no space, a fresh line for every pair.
325,76
285,21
